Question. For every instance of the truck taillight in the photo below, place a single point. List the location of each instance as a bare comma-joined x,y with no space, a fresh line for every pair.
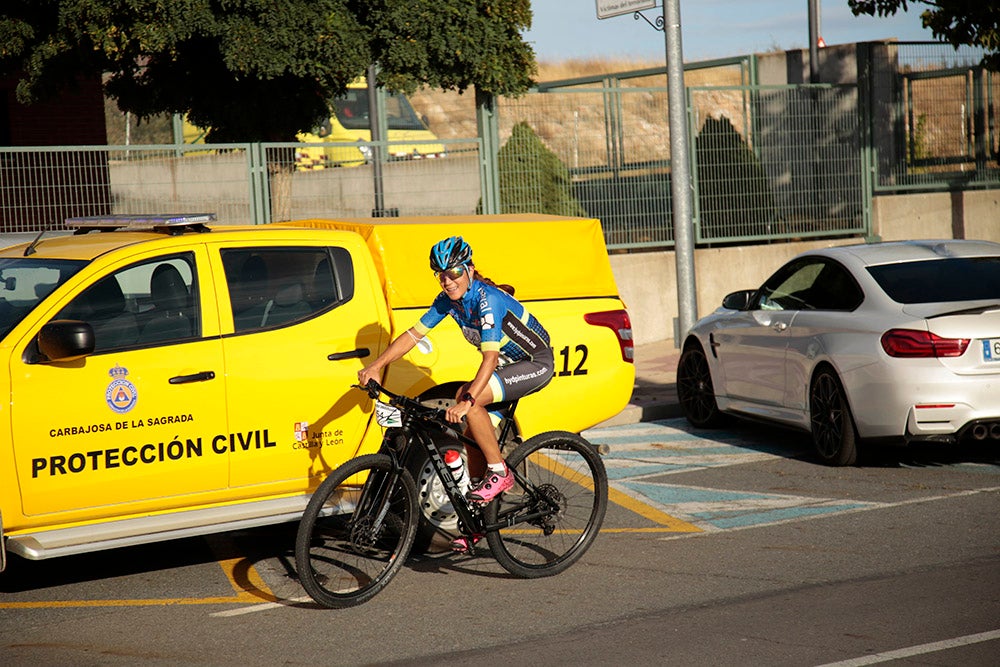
915,343
617,321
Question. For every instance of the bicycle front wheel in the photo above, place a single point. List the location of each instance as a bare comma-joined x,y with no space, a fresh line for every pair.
553,519
356,531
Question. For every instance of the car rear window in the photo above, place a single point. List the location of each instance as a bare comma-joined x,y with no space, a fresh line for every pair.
938,280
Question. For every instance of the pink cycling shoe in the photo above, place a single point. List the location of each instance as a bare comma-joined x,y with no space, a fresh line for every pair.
462,544
491,486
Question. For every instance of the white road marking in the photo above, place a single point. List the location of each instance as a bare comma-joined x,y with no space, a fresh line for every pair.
920,649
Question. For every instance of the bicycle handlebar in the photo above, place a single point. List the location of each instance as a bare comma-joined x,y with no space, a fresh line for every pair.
405,403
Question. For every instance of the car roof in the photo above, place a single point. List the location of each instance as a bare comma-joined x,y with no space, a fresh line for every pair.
94,244
889,252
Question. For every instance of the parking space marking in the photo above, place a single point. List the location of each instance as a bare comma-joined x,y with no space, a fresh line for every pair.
639,452
714,509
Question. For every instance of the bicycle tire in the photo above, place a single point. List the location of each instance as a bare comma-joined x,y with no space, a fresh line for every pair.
340,563
569,474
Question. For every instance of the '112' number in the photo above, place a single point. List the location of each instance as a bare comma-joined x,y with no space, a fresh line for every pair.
566,354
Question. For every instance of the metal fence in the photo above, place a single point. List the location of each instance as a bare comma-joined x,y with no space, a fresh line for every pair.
241,183
933,114
768,162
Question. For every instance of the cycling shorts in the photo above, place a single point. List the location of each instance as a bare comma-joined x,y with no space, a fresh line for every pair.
516,380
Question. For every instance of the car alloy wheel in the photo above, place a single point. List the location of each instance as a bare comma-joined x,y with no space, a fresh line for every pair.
832,425
695,389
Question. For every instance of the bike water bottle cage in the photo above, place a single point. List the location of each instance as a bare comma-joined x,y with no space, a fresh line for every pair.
451,253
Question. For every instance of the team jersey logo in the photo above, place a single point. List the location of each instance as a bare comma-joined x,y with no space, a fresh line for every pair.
121,394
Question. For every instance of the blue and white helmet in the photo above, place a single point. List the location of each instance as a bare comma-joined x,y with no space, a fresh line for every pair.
450,253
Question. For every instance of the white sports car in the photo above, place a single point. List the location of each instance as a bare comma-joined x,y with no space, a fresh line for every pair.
881,342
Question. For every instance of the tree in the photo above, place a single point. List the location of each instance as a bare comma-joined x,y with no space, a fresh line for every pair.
259,70
532,178
958,22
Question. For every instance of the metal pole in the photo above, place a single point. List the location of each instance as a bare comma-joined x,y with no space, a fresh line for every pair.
375,125
813,41
680,181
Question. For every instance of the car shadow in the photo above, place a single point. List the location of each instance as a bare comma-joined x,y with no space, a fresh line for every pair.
797,445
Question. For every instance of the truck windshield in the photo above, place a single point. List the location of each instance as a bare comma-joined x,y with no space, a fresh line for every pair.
352,111
25,282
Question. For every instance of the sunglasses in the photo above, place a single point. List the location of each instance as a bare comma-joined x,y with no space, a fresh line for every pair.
454,273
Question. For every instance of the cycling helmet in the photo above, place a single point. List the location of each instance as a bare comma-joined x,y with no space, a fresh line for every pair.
450,253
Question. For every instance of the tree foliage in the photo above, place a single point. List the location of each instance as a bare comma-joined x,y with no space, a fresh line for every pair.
958,22
260,69
532,178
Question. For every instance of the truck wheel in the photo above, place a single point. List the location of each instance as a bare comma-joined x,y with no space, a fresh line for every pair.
438,523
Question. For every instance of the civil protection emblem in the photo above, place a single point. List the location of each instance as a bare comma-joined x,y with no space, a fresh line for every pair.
121,394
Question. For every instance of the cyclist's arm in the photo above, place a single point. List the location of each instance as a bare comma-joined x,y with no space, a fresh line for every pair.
479,387
397,348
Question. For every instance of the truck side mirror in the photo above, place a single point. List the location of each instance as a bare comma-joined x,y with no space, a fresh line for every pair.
66,340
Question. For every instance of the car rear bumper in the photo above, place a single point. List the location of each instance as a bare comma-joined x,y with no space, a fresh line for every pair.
932,404
950,424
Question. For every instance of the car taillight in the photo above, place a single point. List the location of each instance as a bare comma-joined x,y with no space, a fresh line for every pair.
914,343
617,321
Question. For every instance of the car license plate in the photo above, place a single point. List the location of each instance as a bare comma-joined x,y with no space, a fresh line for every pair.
991,349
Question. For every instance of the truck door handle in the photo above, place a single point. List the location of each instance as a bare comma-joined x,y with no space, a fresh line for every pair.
359,353
779,326
194,377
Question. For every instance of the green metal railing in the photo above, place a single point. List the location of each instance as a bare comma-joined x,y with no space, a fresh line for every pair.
768,162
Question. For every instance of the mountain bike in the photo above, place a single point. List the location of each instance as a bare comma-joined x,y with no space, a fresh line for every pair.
360,524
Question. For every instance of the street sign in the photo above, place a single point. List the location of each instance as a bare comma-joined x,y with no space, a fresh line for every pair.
608,8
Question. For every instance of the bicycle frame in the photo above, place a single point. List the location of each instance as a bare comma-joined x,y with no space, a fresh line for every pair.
415,430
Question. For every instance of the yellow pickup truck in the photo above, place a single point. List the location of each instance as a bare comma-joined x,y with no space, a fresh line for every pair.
172,378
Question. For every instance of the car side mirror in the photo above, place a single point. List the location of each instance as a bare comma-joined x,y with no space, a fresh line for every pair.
738,300
66,340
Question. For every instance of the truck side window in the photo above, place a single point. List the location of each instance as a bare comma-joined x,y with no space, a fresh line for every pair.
275,286
150,302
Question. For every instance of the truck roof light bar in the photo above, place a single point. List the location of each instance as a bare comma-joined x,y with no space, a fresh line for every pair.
167,224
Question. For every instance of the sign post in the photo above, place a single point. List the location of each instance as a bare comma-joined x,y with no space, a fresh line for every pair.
680,172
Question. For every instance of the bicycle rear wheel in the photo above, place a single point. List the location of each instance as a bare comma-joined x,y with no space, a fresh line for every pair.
555,520
356,531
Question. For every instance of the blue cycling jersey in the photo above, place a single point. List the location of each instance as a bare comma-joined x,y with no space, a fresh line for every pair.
490,319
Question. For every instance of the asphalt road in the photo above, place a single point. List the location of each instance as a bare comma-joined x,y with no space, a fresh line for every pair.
720,548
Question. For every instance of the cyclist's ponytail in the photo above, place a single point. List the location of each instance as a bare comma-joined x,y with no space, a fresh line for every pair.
506,288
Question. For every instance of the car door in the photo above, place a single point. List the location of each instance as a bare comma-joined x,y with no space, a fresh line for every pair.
752,345
132,426
825,309
302,325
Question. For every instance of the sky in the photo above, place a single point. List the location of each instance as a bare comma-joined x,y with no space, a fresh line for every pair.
570,29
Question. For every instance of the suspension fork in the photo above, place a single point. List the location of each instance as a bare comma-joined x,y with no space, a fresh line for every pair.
376,493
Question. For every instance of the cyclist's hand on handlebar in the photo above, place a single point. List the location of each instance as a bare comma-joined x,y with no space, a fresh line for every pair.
369,373
457,412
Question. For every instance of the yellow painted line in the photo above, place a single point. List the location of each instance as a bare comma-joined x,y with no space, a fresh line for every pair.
672,523
248,586
162,602
619,498
240,572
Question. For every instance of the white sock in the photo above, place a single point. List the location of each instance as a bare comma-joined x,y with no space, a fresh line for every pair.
498,468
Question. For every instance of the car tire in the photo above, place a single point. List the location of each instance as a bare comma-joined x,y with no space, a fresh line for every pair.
834,434
696,390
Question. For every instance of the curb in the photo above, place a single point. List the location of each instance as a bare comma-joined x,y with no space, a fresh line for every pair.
636,413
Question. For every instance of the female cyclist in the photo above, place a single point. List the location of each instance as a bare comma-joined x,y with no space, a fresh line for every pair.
517,357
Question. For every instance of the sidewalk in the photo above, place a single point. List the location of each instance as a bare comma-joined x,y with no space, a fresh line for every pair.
655,392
